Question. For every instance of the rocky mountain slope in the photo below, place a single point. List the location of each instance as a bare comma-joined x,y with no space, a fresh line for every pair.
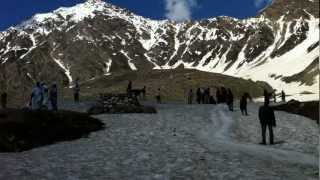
94,39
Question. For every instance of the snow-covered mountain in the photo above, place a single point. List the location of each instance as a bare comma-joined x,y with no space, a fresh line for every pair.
92,39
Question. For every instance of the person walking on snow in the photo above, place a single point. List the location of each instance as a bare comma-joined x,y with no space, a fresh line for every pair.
267,120
244,103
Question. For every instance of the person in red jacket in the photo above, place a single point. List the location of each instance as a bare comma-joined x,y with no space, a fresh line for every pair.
267,119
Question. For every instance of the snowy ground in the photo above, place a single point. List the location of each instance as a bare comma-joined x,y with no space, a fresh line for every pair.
209,143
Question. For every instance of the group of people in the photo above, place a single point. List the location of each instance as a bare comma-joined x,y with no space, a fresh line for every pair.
274,95
223,95
44,97
204,96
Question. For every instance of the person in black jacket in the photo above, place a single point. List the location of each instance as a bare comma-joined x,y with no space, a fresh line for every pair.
224,94
53,97
229,99
283,96
198,95
144,92
244,103
158,97
218,95
4,100
267,96
212,100
207,96
129,88
76,91
267,119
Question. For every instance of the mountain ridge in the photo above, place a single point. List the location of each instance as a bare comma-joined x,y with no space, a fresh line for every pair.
96,38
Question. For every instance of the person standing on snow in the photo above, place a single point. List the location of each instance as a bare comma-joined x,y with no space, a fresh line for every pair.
76,91
202,95
212,100
229,99
224,94
144,93
207,96
274,94
190,97
283,96
244,103
267,96
53,97
218,95
129,88
158,97
36,97
198,96
4,97
45,92
267,119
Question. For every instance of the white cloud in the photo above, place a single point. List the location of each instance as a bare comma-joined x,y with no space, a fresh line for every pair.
179,10
259,3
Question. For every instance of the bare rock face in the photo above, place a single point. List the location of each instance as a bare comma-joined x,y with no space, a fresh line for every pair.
293,9
95,38
307,109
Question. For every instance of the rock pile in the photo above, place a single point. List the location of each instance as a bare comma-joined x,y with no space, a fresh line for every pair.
118,104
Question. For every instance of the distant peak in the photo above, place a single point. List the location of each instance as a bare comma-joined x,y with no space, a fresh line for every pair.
94,1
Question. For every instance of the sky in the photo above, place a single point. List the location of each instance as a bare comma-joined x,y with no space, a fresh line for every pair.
13,12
